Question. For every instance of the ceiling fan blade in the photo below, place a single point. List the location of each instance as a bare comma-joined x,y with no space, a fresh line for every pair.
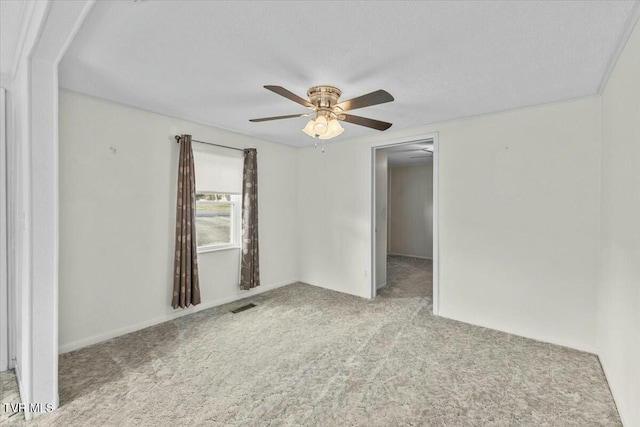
289,95
373,98
363,121
266,119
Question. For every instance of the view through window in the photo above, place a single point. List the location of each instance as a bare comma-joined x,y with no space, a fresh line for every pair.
215,217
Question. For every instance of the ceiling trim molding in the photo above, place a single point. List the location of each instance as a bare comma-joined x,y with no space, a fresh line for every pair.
624,37
177,116
429,127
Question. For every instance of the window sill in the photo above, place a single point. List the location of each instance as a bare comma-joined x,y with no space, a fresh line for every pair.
205,249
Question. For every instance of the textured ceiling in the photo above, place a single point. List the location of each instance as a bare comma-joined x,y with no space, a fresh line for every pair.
208,61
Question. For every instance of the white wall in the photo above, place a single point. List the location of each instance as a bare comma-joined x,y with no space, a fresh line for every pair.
519,218
382,179
334,233
619,288
118,169
411,210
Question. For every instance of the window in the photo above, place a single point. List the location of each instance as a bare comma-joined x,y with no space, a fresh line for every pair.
216,220
218,201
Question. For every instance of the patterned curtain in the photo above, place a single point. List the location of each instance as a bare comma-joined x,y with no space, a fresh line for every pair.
186,285
250,269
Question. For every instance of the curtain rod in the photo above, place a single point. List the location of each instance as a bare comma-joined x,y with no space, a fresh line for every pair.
209,143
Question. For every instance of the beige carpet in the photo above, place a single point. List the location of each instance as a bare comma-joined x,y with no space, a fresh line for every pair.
306,356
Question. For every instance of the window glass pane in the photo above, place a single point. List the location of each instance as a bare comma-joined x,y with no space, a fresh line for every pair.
213,218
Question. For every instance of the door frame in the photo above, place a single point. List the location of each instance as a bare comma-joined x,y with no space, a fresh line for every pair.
47,28
431,137
5,326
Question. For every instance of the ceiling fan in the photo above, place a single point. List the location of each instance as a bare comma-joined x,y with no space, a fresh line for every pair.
328,112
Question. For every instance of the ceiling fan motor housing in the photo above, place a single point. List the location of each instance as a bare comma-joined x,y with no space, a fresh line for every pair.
324,98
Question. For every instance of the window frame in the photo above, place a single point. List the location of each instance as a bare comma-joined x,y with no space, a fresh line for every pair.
236,220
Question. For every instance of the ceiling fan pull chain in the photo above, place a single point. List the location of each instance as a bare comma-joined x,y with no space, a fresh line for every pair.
323,145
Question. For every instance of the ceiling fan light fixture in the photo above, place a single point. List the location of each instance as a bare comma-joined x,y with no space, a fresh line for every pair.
308,129
333,129
320,126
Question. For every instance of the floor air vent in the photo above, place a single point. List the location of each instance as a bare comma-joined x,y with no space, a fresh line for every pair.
243,308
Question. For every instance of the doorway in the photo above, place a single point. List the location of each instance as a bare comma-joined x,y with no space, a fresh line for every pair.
404,209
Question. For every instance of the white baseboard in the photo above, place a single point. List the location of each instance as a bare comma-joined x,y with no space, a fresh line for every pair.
614,392
335,289
573,345
410,256
95,339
